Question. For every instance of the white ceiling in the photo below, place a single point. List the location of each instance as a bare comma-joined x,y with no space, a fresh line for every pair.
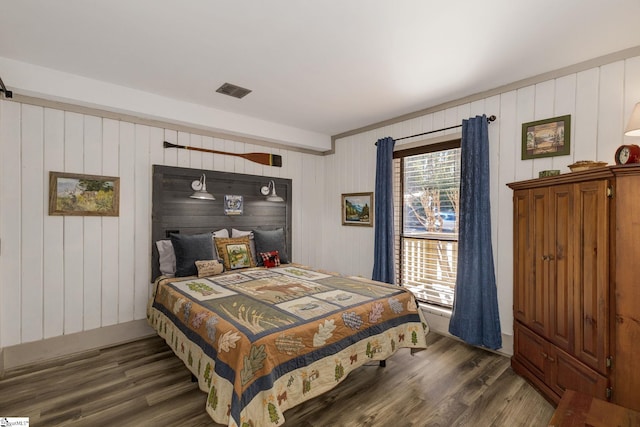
325,66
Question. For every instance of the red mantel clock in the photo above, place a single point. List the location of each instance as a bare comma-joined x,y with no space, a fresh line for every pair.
627,154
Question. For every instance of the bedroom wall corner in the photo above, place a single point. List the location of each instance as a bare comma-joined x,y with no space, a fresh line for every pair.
351,169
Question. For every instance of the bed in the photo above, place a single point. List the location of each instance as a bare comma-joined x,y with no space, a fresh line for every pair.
262,339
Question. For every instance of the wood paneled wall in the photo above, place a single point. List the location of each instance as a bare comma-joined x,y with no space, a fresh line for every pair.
61,275
600,101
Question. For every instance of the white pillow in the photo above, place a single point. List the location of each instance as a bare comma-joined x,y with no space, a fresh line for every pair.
241,233
167,258
221,233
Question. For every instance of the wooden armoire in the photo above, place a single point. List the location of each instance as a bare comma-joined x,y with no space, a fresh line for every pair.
576,294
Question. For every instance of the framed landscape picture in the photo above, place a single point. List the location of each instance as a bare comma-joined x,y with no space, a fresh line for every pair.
546,138
357,209
83,195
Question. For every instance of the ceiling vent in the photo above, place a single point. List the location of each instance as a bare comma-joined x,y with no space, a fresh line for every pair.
233,90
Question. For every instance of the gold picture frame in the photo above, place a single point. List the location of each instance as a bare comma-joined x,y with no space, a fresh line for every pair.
83,195
357,209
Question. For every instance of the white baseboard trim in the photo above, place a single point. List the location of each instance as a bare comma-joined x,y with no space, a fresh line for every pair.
438,320
66,345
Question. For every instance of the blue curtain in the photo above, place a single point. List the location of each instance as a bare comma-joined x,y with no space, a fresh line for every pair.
475,317
383,269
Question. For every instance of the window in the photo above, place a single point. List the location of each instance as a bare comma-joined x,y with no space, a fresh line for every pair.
428,186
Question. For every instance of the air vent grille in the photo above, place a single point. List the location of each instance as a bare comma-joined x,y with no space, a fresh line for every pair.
233,90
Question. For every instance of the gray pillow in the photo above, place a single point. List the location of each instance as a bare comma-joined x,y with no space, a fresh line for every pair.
271,240
188,250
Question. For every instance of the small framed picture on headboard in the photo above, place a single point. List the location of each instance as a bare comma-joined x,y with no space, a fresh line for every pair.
233,205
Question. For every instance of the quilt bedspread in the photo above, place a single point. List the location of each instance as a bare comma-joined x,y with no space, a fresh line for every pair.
261,341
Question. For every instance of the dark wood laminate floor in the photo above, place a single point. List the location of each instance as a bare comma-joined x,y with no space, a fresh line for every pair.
144,384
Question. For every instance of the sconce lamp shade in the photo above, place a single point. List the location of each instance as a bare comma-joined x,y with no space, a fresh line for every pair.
274,197
200,189
202,195
270,191
633,127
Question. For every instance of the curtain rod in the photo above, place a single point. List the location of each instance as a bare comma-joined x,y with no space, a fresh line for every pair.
489,120
3,88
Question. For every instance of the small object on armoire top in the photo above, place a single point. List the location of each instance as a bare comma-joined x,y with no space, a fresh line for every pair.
627,154
584,165
550,172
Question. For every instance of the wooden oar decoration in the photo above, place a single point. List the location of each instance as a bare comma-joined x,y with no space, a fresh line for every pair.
262,158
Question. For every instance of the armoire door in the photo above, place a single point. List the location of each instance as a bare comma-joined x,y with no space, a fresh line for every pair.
522,268
591,274
560,257
539,219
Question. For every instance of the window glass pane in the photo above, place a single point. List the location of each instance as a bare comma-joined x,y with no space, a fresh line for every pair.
429,246
431,187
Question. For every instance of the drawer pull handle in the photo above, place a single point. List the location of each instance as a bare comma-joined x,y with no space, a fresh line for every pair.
549,358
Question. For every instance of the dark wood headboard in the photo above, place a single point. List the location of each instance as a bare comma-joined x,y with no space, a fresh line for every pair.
174,212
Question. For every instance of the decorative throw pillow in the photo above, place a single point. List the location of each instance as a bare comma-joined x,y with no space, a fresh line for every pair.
209,268
271,240
189,249
252,243
270,259
235,252
166,258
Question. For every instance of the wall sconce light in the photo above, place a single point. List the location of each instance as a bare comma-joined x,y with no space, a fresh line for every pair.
199,187
633,127
270,191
